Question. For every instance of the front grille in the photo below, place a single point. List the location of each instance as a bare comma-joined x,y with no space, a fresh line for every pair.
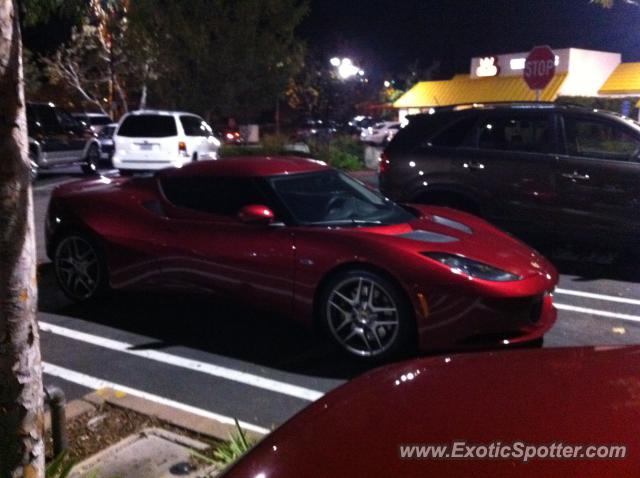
536,310
519,310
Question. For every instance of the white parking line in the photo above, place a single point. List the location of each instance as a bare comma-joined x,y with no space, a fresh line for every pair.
602,313
97,383
591,295
195,365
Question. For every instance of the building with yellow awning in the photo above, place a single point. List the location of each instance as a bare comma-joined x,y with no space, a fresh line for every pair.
498,78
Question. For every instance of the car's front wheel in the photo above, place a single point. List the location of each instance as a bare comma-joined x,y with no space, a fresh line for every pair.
79,267
90,165
367,315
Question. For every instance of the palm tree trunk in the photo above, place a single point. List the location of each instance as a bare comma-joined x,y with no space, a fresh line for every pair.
21,409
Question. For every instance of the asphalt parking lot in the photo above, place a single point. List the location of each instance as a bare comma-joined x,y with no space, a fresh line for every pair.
226,360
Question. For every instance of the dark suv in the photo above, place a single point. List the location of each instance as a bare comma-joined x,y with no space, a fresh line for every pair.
56,138
542,170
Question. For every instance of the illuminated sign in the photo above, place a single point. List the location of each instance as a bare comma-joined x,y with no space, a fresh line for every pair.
518,63
487,67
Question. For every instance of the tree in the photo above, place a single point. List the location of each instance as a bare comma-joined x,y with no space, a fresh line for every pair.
21,396
224,57
108,60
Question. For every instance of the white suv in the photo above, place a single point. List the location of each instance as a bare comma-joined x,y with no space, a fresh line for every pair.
149,140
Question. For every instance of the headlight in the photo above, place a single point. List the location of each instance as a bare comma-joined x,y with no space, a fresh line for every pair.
463,265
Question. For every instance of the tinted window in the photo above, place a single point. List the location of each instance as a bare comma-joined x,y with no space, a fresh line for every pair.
455,134
148,126
47,117
65,119
515,133
221,196
194,126
99,120
599,139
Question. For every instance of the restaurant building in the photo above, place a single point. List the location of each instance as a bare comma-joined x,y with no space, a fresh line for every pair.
578,74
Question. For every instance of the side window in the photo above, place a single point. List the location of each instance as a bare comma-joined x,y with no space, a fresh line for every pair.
455,134
599,139
66,120
194,126
48,119
219,196
513,132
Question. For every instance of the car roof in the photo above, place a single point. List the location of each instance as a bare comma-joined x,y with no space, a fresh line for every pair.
159,112
521,105
248,166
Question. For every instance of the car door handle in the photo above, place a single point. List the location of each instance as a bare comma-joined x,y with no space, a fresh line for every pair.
575,176
474,165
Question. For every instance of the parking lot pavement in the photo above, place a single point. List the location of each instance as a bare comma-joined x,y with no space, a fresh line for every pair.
232,361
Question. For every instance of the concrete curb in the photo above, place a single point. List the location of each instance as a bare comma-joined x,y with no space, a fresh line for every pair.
179,418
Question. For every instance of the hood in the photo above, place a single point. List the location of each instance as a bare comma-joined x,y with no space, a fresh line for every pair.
447,230
578,396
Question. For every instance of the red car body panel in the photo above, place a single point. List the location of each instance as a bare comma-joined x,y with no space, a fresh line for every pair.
150,243
579,396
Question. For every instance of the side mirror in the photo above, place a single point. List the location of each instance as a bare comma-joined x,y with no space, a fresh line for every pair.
256,214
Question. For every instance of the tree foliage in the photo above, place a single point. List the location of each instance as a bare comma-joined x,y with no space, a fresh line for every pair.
107,57
224,57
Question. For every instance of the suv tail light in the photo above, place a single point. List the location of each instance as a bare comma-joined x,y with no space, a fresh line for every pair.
182,148
383,162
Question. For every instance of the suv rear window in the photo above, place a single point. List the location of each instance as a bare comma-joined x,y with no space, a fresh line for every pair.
99,120
148,126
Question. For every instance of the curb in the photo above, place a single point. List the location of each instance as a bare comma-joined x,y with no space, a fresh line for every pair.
179,418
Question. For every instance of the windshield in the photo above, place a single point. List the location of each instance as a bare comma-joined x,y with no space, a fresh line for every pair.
334,198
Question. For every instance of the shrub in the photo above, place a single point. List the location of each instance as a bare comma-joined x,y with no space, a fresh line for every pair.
340,151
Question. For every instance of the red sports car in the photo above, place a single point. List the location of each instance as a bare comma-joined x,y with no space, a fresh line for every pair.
307,241
522,413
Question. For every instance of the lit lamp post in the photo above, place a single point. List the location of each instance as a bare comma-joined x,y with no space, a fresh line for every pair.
345,68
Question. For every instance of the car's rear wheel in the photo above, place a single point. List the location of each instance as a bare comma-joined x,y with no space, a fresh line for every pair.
367,315
79,267
90,165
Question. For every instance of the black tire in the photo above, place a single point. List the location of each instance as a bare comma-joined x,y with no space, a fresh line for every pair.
194,158
80,267
90,165
369,341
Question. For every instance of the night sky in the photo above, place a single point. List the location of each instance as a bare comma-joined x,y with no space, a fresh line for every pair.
386,36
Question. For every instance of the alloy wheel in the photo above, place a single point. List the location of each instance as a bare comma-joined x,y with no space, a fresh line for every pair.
77,267
363,316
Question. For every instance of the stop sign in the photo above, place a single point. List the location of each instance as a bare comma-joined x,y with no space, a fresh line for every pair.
539,67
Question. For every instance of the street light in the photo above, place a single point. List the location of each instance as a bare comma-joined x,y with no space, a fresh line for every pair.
345,68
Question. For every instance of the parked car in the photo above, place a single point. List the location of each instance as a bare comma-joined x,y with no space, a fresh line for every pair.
551,170
541,409
380,133
56,139
315,128
105,136
232,136
148,140
303,240
95,121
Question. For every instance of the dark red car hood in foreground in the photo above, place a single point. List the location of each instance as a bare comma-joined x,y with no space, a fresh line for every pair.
578,396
